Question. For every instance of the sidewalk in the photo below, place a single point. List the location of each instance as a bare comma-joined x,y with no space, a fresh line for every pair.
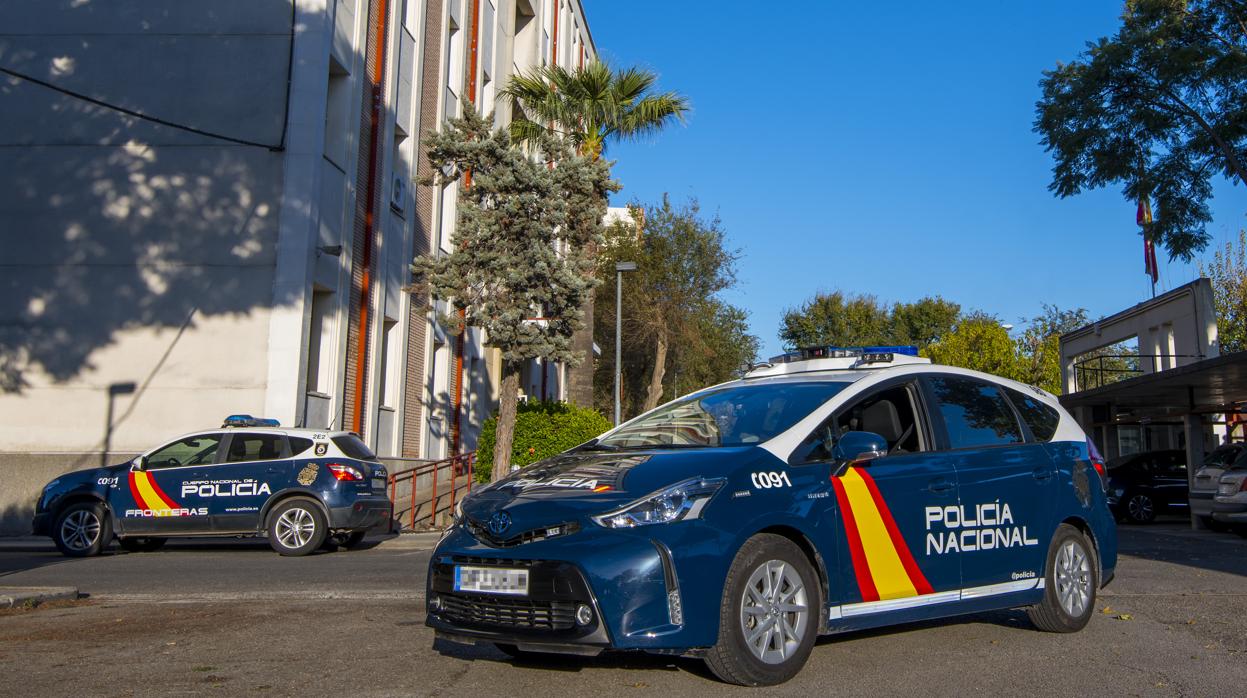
391,541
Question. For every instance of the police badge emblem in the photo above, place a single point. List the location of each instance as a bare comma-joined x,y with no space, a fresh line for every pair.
321,449
308,475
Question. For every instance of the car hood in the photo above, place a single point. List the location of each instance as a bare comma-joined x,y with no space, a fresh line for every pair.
77,477
573,486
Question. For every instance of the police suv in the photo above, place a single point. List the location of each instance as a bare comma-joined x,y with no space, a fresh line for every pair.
299,487
829,490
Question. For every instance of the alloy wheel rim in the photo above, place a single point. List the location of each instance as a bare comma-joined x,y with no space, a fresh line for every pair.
80,529
774,611
1141,506
1073,578
295,528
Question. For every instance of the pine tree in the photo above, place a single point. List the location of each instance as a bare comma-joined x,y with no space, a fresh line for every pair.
520,269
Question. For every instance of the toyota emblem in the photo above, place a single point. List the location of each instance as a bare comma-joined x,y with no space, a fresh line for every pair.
499,523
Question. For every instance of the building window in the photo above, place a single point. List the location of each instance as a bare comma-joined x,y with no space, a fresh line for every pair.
320,343
337,102
387,368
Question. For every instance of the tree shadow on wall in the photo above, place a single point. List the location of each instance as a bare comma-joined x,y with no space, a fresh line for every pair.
111,223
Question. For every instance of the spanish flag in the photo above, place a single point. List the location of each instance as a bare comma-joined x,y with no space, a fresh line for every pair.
1143,217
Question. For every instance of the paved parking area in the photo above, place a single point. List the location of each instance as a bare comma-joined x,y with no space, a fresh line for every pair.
237,619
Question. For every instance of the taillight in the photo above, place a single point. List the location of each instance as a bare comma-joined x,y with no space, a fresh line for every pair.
1243,487
1097,462
345,473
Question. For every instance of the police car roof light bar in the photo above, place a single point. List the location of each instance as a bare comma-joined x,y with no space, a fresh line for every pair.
246,420
831,352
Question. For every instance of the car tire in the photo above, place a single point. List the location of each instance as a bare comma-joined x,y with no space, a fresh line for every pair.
82,529
1140,508
1071,582
297,527
142,545
767,571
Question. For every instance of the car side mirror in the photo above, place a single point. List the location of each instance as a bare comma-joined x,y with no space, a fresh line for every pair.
859,446
139,463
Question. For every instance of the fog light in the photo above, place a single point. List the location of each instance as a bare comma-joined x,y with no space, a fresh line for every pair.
584,615
435,603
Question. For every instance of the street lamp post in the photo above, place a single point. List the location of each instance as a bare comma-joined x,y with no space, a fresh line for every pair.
620,268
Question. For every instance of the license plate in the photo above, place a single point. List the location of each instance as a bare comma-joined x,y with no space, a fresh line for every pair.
378,483
491,580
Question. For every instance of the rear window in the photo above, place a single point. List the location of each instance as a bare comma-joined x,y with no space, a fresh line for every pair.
298,445
352,447
1042,419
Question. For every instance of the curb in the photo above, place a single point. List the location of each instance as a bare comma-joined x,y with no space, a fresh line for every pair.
12,597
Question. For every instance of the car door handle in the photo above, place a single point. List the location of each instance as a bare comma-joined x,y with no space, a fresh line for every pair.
1042,474
940,486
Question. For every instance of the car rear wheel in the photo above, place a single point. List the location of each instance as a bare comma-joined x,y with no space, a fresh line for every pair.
297,527
769,616
1141,508
141,545
82,529
1071,582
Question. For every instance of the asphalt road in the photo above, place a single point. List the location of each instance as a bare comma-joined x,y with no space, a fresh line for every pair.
237,619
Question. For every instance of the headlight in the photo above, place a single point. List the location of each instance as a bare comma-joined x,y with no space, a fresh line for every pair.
678,502
459,511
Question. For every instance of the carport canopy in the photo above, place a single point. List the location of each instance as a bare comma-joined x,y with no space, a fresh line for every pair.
1209,386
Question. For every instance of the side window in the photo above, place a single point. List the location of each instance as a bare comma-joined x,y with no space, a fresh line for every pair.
1042,419
975,413
890,413
298,445
1174,464
193,450
255,447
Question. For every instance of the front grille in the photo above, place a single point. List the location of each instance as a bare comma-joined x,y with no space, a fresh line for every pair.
481,533
510,613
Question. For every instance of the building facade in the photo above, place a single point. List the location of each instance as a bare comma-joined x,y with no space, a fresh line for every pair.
211,209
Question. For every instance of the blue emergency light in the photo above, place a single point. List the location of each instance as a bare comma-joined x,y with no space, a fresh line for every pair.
830,352
246,420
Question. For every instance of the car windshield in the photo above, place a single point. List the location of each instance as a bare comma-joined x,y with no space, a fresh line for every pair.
1227,457
735,416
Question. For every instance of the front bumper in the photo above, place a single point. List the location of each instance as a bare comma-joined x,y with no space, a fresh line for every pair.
643,597
363,513
41,525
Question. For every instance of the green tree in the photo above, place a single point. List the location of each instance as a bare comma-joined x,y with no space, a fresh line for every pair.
590,105
1157,109
520,249
846,320
1039,347
978,342
678,334
1228,273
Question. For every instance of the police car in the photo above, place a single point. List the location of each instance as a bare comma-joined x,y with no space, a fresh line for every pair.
828,490
301,488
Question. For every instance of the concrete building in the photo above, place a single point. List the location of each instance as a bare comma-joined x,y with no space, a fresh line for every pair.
210,208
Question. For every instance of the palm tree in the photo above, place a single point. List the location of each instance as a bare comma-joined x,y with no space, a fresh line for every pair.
591,104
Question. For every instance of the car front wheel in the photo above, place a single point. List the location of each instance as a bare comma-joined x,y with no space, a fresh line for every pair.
769,616
1140,508
1070,584
297,527
82,529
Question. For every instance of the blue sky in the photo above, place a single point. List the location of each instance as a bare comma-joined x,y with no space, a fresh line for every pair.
884,149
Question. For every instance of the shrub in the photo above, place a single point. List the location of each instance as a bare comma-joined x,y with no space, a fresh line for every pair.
542,429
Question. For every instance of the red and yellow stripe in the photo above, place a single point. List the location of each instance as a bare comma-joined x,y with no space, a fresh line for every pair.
882,563
147,494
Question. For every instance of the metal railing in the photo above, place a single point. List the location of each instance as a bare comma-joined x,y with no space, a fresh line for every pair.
1105,369
458,466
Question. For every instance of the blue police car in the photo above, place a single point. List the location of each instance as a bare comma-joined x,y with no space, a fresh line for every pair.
829,490
301,488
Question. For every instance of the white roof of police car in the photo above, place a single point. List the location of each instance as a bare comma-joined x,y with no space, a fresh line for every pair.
865,377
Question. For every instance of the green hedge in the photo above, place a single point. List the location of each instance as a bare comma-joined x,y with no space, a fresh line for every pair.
542,429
